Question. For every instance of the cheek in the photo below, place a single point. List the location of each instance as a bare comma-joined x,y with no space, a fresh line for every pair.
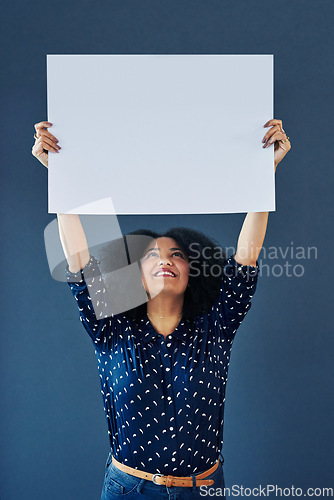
186,268
144,268
145,280
185,273
145,274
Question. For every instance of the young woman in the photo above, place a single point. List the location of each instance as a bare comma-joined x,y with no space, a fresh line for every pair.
163,365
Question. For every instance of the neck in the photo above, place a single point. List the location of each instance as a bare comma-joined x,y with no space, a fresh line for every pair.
165,314
169,307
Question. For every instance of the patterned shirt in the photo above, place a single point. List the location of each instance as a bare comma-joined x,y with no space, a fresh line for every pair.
164,397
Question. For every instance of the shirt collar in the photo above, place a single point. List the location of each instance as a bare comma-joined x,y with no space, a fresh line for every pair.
148,332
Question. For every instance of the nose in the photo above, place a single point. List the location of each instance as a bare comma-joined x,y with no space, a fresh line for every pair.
163,261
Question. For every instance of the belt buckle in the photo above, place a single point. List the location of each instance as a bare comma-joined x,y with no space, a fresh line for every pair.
154,476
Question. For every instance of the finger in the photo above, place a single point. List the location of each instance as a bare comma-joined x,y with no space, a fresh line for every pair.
38,150
270,123
277,136
48,145
46,133
270,132
46,140
286,146
41,125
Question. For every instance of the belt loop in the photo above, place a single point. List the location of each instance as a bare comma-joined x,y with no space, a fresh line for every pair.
193,489
140,486
169,481
109,460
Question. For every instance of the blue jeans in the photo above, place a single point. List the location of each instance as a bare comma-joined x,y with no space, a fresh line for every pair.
118,484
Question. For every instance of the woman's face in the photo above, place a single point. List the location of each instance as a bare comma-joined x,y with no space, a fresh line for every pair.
165,267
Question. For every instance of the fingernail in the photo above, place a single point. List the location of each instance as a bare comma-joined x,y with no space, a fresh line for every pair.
49,123
263,140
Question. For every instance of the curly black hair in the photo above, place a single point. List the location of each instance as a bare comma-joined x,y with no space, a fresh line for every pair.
204,255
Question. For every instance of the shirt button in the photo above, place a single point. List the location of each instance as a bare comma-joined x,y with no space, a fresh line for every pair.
171,428
173,459
169,344
169,337
167,369
169,398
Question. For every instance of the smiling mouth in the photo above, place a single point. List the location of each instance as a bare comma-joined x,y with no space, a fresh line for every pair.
168,274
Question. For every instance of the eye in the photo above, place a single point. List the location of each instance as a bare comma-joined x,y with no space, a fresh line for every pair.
179,254
152,253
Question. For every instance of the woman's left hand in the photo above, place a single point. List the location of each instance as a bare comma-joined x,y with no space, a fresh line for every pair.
278,137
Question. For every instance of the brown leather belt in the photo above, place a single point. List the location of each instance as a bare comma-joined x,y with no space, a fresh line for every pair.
168,480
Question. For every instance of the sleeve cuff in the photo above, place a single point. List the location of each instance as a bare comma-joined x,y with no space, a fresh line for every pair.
233,268
90,270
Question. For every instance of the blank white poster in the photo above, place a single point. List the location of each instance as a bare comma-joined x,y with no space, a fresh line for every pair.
160,134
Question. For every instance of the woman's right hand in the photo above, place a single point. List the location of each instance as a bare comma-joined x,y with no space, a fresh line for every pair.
44,142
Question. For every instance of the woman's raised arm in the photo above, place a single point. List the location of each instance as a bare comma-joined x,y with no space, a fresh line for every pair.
73,241
251,238
71,232
254,228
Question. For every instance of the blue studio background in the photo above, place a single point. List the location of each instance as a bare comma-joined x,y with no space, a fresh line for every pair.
279,408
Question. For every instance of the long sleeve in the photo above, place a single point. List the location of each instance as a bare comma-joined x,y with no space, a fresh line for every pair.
234,300
93,301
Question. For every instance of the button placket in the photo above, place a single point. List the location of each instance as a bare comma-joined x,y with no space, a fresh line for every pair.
166,357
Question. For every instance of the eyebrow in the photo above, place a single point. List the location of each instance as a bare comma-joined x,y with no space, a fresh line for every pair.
155,248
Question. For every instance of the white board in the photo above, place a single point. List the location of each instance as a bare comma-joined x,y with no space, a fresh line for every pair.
160,134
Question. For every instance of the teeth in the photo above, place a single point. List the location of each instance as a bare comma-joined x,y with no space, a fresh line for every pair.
161,273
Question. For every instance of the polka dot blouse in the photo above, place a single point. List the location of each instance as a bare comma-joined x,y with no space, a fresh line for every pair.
164,397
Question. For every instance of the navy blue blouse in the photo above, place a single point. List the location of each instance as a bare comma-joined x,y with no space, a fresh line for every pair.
164,397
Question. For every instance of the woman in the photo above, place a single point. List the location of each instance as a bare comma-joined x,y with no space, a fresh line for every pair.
163,366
